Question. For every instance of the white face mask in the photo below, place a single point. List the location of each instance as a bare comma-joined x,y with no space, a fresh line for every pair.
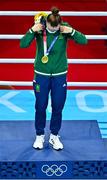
50,30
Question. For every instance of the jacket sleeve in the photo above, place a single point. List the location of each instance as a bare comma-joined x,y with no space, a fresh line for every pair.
78,37
26,40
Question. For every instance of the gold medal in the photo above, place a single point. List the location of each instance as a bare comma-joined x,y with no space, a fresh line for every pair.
44,59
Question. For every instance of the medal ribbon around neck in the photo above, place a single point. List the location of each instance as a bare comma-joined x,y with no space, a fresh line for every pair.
47,51
37,19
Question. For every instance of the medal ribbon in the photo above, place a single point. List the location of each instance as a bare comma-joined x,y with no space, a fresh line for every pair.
47,51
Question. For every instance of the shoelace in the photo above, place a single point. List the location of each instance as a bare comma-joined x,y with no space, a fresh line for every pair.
56,138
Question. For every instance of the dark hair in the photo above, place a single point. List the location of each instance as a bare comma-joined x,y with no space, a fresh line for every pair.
54,18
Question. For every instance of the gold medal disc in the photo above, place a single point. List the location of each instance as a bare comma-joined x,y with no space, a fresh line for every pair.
44,59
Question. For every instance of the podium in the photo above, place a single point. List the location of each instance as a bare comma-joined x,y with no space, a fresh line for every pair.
84,155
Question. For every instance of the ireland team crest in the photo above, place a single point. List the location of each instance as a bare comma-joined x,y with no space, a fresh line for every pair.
37,88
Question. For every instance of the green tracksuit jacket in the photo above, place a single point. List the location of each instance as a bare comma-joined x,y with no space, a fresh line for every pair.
57,63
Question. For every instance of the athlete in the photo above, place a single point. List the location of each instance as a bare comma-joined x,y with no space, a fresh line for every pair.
50,71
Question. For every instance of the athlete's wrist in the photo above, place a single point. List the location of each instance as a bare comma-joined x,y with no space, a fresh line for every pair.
31,30
72,32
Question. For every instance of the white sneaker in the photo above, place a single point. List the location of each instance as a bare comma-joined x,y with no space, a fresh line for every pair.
39,142
55,142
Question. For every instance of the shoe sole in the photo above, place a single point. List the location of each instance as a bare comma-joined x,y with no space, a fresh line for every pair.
37,148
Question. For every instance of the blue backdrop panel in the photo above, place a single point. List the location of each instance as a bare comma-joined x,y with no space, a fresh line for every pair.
80,105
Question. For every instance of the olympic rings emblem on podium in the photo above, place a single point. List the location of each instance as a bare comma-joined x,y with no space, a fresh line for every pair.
54,169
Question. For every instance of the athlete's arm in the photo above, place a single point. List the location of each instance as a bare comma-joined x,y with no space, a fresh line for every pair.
71,33
30,35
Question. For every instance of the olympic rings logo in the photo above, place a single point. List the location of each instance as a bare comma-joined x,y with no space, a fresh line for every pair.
54,169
